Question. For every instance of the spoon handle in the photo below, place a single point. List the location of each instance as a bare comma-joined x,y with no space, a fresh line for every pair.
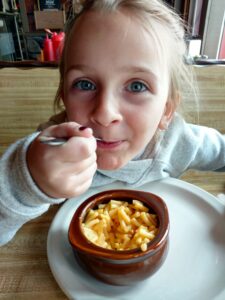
55,141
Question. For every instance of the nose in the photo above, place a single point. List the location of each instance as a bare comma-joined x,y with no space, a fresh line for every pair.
106,110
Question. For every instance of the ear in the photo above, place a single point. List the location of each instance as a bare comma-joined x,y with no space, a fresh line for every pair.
169,110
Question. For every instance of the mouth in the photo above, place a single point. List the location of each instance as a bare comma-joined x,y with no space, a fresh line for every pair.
108,144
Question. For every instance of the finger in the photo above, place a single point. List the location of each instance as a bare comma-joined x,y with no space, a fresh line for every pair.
83,187
85,174
80,166
74,150
79,148
76,192
78,183
67,130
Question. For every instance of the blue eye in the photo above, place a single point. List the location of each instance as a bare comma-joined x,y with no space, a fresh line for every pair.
137,87
84,85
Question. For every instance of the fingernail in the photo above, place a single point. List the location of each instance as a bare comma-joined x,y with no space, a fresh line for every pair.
82,128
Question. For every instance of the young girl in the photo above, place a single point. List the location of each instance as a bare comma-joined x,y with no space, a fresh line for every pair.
121,74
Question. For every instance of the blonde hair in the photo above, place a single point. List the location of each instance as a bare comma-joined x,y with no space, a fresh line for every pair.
148,11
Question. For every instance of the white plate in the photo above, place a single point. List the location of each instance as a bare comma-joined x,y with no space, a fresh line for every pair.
194,268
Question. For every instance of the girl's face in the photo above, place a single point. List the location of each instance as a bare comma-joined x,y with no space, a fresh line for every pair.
115,84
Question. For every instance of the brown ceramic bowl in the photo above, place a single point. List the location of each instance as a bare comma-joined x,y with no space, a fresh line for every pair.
117,267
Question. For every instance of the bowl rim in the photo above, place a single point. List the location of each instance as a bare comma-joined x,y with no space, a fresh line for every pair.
80,243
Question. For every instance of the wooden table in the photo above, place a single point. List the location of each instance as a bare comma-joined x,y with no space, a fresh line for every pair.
24,269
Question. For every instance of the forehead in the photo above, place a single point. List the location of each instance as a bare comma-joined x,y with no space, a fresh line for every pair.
114,36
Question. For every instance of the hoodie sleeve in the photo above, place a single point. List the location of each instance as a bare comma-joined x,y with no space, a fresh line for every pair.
187,146
210,149
20,199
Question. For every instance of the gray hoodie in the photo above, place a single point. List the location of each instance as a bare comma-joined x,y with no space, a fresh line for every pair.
183,146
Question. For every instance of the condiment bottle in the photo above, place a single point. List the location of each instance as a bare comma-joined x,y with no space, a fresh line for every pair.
57,41
48,49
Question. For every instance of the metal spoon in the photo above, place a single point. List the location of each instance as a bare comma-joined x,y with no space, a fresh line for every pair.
56,141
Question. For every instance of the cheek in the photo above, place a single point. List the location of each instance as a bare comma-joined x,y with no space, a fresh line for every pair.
145,125
75,112
146,118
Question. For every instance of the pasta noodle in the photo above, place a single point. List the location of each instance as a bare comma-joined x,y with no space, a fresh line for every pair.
120,225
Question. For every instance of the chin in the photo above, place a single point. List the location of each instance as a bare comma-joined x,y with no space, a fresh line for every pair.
110,164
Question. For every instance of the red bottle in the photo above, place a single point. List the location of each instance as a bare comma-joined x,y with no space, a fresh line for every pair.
57,41
48,49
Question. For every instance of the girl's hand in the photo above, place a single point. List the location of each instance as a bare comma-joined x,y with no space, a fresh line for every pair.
64,171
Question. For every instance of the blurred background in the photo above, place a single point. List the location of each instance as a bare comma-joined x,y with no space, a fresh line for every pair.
25,25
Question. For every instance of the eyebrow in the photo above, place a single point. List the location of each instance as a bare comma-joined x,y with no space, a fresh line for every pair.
133,69
79,67
141,69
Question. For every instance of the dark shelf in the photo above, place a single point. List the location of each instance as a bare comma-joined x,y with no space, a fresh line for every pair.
27,64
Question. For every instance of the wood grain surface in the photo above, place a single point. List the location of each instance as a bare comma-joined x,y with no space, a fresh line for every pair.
211,83
26,97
